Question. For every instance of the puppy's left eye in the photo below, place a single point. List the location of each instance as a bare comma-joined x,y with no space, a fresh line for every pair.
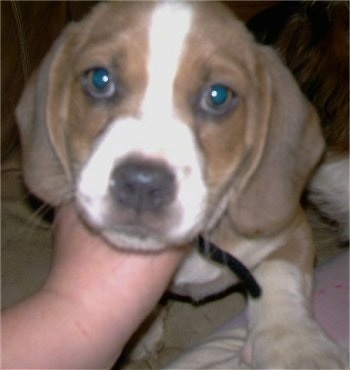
218,99
99,83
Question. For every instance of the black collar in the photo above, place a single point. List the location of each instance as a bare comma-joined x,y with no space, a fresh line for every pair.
209,249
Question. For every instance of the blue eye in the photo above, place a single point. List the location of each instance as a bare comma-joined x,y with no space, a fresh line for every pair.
218,99
100,78
99,83
219,95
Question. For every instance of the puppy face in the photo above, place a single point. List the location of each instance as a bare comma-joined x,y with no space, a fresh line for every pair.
158,118
159,129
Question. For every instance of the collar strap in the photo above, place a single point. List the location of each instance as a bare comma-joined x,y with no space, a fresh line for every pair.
210,250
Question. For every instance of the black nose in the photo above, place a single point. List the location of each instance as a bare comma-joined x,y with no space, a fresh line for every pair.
143,186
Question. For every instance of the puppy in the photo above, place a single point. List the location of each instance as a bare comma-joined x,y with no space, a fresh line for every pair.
313,40
163,120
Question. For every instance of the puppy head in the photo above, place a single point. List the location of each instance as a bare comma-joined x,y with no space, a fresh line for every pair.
160,118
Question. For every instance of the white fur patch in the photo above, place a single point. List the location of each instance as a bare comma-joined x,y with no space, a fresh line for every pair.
170,26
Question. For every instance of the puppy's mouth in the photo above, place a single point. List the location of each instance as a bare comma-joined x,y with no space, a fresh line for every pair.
139,207
135,234
136,237
137,230
126,228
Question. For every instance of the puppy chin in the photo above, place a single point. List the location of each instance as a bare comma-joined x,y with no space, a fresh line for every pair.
142,239
131,238
139,243
147,233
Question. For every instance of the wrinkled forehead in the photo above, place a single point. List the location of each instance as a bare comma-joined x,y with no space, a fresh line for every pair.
168,30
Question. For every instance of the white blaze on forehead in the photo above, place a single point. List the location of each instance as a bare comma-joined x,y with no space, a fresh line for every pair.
170,25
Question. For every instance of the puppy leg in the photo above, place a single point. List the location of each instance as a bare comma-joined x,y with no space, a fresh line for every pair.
283,333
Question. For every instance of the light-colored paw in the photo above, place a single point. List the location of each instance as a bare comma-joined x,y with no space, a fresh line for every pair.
296,348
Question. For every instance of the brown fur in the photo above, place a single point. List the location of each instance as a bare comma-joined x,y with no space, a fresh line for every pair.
321,65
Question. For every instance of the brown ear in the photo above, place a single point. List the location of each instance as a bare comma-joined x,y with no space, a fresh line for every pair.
44,158
292,146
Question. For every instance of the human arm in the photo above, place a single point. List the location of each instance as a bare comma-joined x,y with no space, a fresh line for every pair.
94,298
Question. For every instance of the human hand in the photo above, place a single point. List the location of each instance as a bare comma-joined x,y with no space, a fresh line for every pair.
93,300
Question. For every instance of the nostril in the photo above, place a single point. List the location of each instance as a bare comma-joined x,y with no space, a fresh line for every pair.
144,186
126,190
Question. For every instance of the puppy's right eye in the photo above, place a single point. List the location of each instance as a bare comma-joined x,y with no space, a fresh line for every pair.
218,99
99,83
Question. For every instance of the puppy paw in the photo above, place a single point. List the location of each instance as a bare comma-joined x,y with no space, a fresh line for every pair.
296,348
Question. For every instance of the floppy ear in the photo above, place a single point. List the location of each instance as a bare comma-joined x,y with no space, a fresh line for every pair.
292,146
38,114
